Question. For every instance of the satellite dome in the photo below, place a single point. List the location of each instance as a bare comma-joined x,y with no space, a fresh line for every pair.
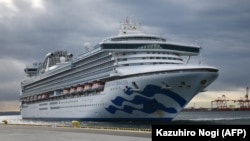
86,45
62,59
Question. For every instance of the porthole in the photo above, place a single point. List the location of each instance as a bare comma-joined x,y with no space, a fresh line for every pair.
203,82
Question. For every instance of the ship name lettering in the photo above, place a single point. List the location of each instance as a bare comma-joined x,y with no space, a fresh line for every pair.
117,83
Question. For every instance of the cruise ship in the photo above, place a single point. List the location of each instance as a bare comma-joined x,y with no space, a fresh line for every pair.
128,77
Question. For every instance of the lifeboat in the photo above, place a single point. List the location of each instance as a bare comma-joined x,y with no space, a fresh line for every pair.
97,85
35,98
72,90
87,87
44,96
79,88
66,90
39,97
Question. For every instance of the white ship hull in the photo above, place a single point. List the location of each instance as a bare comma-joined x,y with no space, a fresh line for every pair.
157,96
132,76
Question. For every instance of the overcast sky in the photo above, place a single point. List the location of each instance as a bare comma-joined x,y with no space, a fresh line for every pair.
29,29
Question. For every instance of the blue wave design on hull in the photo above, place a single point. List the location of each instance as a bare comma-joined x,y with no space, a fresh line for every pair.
149,105
151,90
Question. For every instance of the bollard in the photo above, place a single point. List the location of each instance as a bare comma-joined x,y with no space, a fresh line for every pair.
76,124
5,121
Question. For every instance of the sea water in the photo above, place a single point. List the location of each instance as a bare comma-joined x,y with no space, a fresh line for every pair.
189,117
214,117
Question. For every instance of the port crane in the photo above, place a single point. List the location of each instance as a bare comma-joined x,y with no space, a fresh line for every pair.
244,103
222,102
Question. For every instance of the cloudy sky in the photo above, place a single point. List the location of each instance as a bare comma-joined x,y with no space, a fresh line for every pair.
29,29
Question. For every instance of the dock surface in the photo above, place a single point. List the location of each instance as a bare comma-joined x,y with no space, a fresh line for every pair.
41,133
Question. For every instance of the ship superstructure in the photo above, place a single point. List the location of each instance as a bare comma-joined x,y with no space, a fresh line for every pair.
132,76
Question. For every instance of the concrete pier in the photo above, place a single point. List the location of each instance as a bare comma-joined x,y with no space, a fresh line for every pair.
44,133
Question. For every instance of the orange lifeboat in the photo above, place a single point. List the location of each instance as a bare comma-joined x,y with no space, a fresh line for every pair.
66,90
87,87
39,97
79,88
31,98
98,85
35,98
44,96
72,90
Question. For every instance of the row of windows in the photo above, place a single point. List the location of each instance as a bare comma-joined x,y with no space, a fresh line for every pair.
71,101
137,56
148,52
150,58
139,38
92,58
146,46
155,63
115,88
53,103
85,105
43,104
